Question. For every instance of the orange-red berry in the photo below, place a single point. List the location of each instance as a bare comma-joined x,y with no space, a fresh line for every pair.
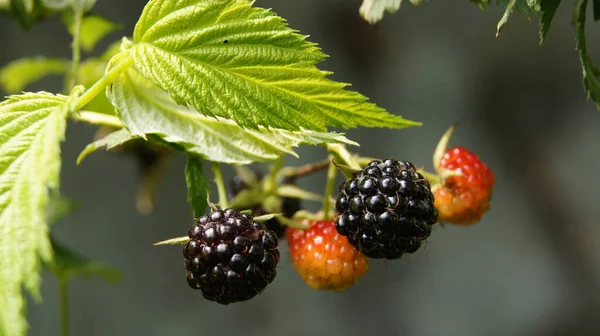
463,199
324,258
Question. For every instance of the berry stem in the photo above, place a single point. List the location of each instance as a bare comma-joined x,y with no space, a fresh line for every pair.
331,175
103,82
343,156
431,177
220,185
96,118
306,169
63,289
271,182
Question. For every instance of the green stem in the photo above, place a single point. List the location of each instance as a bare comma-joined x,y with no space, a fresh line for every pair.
96,118
343,156
331,175
63,289
101,84
220,185
76,46
295,172
271,182
431,177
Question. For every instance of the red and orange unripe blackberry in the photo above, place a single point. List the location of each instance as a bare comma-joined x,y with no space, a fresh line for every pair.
323,258
386,209
229,257
463,198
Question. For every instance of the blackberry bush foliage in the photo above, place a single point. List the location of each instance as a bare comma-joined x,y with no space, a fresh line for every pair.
288,206
222,82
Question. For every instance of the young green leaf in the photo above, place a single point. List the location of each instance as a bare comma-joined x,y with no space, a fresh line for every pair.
114,139
548,8
32,126
591,74
93,29
228,59
197,185
146,109
18,74
68,263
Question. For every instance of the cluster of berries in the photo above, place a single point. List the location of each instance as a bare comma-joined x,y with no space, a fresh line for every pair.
383,211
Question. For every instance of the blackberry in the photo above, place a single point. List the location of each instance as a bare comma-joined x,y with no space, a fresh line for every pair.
229,257
386,209
289,206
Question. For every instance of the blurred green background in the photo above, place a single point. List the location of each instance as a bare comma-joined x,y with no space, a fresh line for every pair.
530,267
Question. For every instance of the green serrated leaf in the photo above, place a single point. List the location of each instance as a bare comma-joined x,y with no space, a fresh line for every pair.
197,185
32,125
228,59
145,109
20,73
548,8
68,263
591,74
93,29
114,139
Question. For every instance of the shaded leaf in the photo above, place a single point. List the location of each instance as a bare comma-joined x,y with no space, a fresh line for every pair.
20,73
27,12
113,139
197,185
93,29
59,208
68,263
548,8
591,74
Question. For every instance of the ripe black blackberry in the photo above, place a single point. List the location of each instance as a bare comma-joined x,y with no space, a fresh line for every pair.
289,206
229,257
386,209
